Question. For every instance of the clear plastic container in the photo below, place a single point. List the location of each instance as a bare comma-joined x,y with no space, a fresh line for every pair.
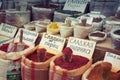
17,18
43,12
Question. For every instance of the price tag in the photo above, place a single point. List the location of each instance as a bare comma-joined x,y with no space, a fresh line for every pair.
52,42
81,47
114,59
76,5
29,37
7,30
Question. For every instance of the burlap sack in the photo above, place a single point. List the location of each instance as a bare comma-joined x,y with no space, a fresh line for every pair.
37,65
57,73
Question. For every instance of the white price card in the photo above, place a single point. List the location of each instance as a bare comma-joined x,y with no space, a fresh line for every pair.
29,37
7,30
76,5
114,59
81,47
52,42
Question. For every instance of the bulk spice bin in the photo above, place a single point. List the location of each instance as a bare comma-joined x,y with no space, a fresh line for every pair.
13,57
106,7
12,51
17,18
81,30
43,12
68,66
35,64
66,29
115,36
101,70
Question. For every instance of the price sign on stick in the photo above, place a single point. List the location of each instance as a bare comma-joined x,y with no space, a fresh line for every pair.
76,5
81,47
29,37
114,59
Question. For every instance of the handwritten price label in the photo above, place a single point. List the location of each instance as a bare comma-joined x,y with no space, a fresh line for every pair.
76,5
114,59
81,47
29,37
7,30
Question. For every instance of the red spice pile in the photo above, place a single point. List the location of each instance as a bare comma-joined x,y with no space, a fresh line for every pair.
77,62
34,56
4,47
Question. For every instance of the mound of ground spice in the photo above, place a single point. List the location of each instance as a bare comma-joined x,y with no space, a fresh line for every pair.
117,32
77,62
4,47
34,56
97,34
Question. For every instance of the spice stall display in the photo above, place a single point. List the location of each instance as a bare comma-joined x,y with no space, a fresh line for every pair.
22,60
68,66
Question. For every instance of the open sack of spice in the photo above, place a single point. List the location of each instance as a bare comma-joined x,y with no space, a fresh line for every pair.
11,53
101,70
68,66
14,50
3,68
36,62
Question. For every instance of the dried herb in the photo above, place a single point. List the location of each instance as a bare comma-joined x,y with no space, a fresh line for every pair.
97,34
117,32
